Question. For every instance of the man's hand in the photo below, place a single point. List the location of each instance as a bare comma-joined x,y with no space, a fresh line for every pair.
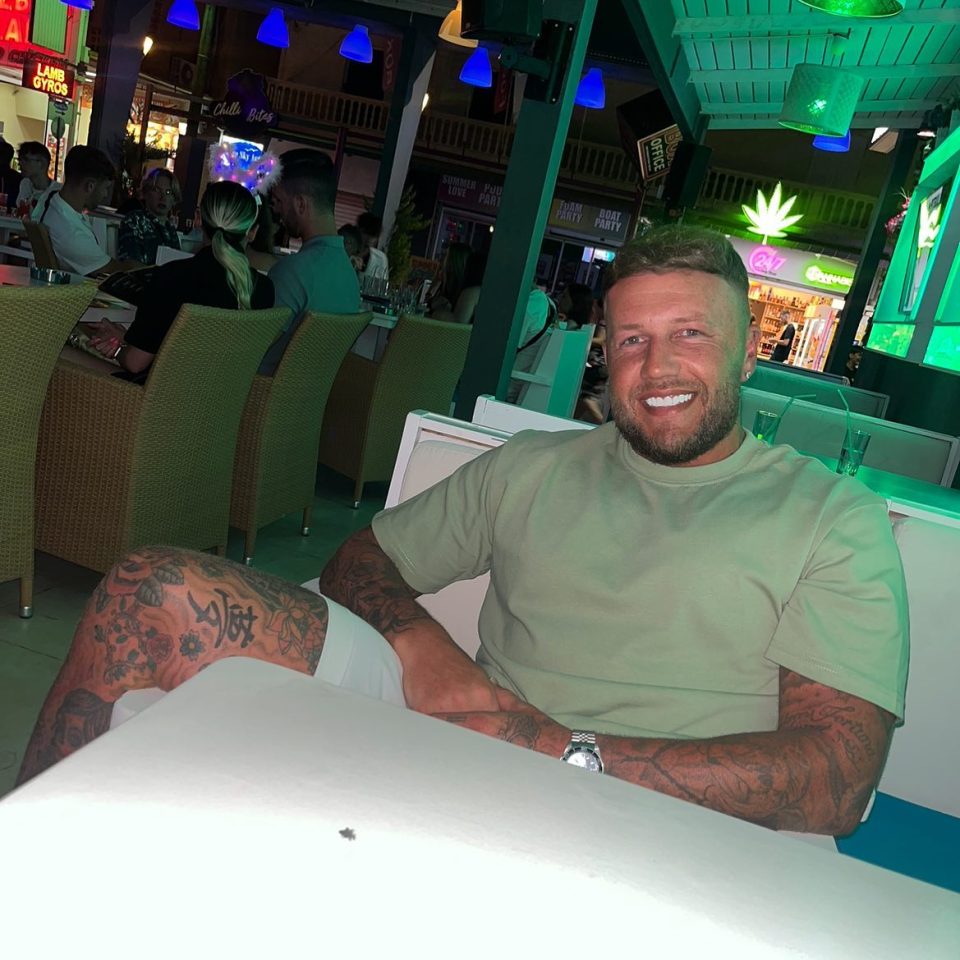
514,721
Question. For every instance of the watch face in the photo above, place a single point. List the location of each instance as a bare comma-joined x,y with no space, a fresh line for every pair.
586,759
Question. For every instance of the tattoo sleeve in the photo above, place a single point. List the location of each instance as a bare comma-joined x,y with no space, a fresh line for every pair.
365,580
814,774
156,619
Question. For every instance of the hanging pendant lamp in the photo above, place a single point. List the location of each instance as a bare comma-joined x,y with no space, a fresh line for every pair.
477,71
273,31
832,144
820,99
184,14
590,90
450,28
857,8
357,45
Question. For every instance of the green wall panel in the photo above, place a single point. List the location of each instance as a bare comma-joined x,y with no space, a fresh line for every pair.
49,27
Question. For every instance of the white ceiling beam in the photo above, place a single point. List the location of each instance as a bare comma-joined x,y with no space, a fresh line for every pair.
913,106
692,28
905,71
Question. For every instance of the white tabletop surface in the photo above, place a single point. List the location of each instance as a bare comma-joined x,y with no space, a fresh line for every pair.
256,812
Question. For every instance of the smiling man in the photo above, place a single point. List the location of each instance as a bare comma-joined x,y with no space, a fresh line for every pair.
672,602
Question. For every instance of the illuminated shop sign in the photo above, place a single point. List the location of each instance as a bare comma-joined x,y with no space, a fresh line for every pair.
52,77
833,279
771,218
766,260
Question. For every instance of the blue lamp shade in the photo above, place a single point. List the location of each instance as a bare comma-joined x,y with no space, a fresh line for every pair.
832,144
357,46
184,14
79,4
273,30
477,71
590,92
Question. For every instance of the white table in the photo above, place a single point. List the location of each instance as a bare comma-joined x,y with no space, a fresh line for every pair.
257,812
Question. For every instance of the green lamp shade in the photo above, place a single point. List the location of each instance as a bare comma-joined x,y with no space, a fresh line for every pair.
820,100
857,8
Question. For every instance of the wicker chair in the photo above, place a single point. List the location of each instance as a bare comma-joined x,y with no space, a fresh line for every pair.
275,467
370,401
35,325
44,256
120,465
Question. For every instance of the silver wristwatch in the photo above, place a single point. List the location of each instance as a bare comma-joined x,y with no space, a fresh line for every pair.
582,751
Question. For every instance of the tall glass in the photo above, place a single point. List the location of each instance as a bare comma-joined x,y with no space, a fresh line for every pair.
851,454
765,425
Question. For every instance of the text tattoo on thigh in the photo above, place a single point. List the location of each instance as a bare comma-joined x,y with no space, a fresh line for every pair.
230,620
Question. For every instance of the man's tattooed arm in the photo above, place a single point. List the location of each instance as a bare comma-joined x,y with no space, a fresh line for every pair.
814,774
156,619
437,674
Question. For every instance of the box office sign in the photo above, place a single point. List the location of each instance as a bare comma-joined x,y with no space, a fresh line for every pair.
585,219
56,78
470,193
656,152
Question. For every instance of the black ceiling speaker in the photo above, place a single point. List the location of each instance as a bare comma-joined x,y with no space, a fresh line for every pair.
506,21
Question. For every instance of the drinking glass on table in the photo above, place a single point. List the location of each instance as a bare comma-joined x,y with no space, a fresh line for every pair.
765,426
851,454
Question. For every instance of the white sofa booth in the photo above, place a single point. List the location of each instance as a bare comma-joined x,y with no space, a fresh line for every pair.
923,766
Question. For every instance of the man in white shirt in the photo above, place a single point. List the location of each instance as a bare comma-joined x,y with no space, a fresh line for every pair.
87,183
36,186
375,263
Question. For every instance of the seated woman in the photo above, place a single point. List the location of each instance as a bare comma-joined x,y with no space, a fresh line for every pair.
465,305
449,282
218,276
142,231
577,306
260,249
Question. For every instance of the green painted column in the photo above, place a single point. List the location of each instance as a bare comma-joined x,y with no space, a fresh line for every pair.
527,194
887,205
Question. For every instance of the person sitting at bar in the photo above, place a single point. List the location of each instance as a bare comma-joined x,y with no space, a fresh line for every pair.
577,306
449,282
34,159
143,230
88,177
353,244
374,260
10,179
261,250
655,631
218,276
320,276
465,306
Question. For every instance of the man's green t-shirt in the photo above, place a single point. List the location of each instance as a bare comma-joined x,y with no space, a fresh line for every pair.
637,599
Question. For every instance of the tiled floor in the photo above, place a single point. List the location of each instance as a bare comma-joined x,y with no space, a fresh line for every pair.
31,651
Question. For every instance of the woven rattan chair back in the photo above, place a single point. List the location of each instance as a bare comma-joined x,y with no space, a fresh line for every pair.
185,440
34,325
419,370
44,256
275,467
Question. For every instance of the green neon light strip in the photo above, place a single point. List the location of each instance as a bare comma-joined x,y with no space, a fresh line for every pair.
891,338
943,350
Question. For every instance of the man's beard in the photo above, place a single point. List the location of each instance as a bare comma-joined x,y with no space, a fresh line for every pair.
721,415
